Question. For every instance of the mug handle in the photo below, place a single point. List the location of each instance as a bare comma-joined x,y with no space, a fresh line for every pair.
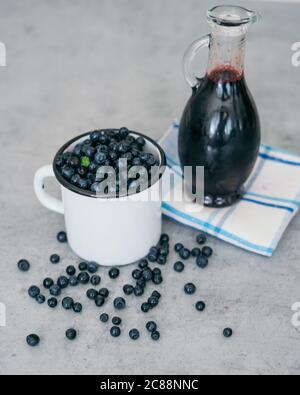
46,200
190,55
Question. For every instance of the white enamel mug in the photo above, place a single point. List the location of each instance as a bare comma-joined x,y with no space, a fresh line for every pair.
109,231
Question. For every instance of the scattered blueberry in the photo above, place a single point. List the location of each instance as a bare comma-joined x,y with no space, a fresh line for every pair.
178,267
128,289
116,320
184,253
54,258
91,294
141,283
151,326
202,261
196,252
228,332
77,307
33,291
95,280
83,277
137,274
70,270
67,303
155,335
23,265
157,279
115,331
62,237
114,272
189,288
104,292
152,257
178,247
161,260
201,238
40,298
55,290
200,306
153,301
134,334
138,291
48,282
119,303
207,251
52,302
82,266
145,307
156,294
62,282
73,281
32,340
164,238
71,334
156,270
104,317
92,267
99,300
147,274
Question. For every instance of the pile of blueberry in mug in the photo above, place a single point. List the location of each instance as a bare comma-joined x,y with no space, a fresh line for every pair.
103,148
143,275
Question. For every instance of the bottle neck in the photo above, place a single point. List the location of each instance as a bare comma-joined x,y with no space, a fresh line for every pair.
227,54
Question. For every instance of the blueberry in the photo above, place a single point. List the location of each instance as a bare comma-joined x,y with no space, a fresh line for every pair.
73,161
82,266
83,277
152,257
134,334
70,270
161,260
178,247
196,252
155,335
164,238
136,162
123,132
67,172
67,303
116,320
82,171
114,272
154,251
228,332
92,267
52,302
104,292
23,265
184,253
104,317
100,158
138,291
202,261
55,290
207,251
95,280
33,291
115,331
99,300
147,274
141,283
151,161
54,258
153,301
77,307
189,288
157,279
62,282
40,298
143,264
156,270
145,307
164,251
83,183
75,179
91,294
73,281
178,267
89,151
62,237
77,150
200,306
156,294
201,238
119,303
136,274
48,282
71,334
128,289
151,326
94,136
32,340
93,167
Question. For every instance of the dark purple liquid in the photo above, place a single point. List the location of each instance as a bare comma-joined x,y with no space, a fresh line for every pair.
220,130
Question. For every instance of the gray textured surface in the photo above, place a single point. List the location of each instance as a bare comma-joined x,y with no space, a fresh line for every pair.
74,65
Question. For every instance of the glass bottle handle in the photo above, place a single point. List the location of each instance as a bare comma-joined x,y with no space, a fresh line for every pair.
190,55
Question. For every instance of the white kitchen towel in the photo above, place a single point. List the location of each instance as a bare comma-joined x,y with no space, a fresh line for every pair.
258,221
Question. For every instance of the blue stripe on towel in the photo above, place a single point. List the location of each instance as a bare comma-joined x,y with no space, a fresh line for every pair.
287,162
206,225
268,204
